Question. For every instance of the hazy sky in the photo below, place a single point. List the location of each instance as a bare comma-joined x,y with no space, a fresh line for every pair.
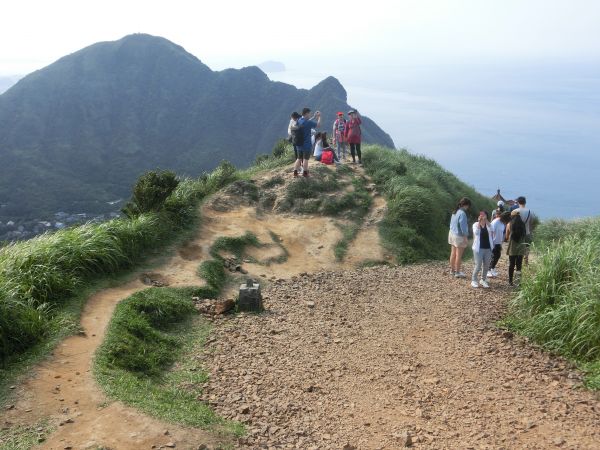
237,33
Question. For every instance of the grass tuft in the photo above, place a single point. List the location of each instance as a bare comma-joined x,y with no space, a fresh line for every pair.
420,197
558,304
150,331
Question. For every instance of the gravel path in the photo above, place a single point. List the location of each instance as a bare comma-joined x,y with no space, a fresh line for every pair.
384,358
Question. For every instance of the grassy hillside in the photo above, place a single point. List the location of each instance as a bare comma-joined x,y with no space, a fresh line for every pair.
421,196
39,277
558,305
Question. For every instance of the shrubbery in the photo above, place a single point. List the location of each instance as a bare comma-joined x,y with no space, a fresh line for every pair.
558,304
37,275
421,196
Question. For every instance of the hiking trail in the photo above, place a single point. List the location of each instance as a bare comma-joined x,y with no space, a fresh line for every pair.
344,357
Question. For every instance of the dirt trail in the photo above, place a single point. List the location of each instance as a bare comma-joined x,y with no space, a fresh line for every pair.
362,359
63,387
343,358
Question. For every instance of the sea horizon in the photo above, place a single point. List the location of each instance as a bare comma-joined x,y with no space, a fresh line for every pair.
528,130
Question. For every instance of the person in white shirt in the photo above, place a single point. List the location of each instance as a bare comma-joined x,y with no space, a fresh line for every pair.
483,241
498,228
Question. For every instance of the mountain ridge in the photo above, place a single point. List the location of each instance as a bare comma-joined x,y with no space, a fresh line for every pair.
77,133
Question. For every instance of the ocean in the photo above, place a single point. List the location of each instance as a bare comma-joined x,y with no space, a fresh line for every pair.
531,130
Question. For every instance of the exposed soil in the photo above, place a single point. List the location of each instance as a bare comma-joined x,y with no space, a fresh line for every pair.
343,358
364,359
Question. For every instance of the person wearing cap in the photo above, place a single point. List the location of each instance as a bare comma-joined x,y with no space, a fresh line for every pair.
339,139
499,228
353,135
499,210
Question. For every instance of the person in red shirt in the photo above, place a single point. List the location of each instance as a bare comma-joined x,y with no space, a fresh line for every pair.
353,135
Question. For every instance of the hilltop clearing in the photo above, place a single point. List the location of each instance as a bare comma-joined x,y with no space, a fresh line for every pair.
346,355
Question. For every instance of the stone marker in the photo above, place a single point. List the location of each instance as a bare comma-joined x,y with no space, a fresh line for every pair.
250,297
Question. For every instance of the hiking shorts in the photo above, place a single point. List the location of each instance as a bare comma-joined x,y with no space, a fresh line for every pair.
457,241
303,154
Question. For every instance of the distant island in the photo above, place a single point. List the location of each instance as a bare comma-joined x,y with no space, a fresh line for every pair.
272,66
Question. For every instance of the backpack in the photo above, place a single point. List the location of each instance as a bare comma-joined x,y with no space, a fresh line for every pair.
327,156
298,136
517,228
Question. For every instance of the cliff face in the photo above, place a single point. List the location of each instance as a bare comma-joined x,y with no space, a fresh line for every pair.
77,133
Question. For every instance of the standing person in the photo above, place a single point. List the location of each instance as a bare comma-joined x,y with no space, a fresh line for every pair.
306,124
339,138
294,134
499,210
526,217
499,229
458,236
353,135
515,235
483,242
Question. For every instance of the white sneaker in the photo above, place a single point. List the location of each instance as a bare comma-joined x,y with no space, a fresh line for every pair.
474,284
460,275
483,283
490,274
495,272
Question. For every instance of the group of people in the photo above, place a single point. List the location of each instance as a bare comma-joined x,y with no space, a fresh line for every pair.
307,142
512,226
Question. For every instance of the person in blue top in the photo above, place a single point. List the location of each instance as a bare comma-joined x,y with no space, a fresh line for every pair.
458,237
307,124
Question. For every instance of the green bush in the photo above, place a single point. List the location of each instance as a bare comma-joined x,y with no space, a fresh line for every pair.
135,341
421,196
37,275
558,304
150,192
280,148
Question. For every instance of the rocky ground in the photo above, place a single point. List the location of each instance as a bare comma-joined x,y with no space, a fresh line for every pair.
385,358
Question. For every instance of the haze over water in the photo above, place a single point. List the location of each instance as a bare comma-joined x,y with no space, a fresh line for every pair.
530,130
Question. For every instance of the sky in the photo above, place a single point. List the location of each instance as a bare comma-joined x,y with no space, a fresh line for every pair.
227,33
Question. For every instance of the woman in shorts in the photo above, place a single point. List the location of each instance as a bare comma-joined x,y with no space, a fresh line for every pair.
458,237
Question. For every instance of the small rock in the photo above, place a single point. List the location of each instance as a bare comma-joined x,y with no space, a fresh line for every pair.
349,447
166,432
12,387
170,445
310,304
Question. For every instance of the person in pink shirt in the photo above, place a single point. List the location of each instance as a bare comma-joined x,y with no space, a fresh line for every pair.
353,135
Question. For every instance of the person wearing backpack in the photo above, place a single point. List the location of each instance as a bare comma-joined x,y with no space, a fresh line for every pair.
353,135
306,124
339,139
515,235
526,216
294,136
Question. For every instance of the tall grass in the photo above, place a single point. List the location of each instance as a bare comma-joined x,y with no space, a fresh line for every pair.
559,301
38,275
421,196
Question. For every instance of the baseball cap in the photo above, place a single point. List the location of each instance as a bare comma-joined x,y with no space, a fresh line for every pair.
500,203
339,113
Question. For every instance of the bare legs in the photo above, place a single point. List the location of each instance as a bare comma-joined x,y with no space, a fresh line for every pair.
456,258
